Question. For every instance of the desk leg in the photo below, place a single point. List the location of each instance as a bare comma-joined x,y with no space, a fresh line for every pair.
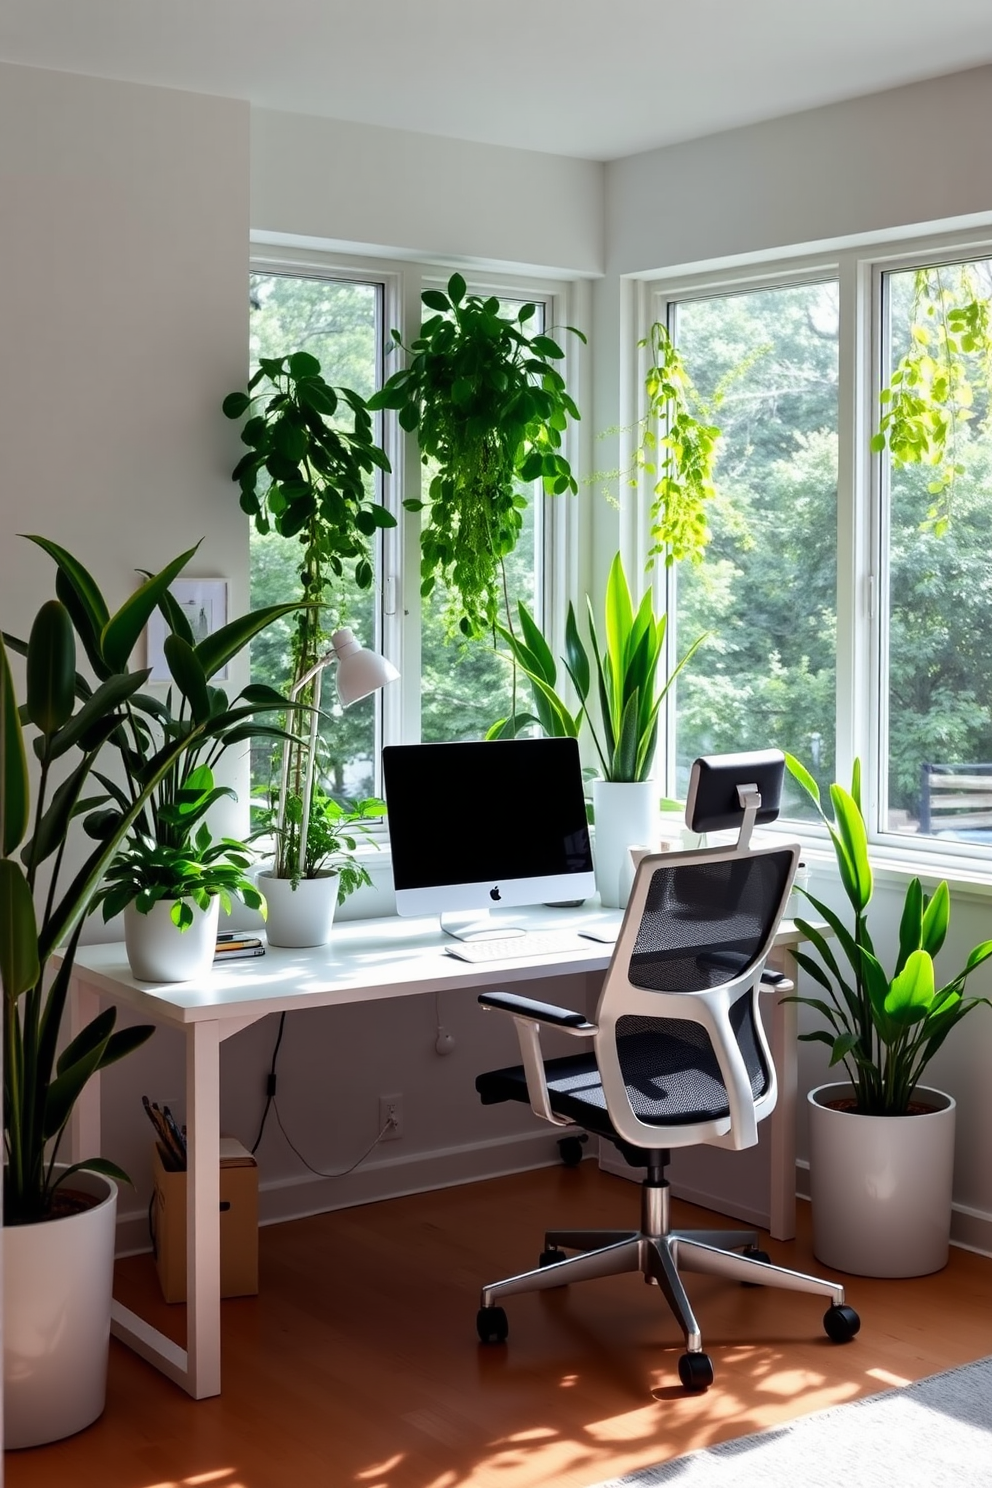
196,1368
203,1209
782,1122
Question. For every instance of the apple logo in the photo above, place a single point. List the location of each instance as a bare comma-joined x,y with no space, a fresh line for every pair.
495,894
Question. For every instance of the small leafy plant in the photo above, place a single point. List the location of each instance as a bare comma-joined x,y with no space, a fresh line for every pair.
883,1029
189,868
333,837
490,409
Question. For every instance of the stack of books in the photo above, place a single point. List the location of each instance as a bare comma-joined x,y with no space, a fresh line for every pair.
235,944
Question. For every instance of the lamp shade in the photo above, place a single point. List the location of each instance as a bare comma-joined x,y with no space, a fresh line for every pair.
360,671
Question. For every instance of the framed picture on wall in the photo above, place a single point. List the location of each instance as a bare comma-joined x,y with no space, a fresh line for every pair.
204,603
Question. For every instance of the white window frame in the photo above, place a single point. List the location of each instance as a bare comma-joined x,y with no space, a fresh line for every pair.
399,610
862,515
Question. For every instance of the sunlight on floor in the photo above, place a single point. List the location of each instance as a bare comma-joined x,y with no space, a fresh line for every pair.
221,1475
885,1377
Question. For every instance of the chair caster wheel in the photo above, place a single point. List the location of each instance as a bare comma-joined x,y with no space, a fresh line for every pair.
570,1150
492,1325
696,1371
841,1323
753,1253
551,1257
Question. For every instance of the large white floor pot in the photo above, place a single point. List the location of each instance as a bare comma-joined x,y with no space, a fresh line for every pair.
158,951
626,815
57,1281
303,916
881,1185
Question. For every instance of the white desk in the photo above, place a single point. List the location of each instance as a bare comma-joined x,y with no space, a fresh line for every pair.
366,960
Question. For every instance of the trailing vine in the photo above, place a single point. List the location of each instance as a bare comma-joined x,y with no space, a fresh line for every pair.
678,447
489,408
931,393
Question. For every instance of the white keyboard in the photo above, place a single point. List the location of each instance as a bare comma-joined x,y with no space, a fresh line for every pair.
520,947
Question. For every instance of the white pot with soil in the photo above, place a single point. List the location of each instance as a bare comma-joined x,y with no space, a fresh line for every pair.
881,1185
57,1283
300,916
158,951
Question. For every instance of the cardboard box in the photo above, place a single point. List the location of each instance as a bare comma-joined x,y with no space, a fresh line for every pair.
238,1223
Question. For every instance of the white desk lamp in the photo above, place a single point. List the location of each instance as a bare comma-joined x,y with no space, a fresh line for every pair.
360,672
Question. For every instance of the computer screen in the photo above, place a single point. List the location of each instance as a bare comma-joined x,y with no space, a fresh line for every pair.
479,825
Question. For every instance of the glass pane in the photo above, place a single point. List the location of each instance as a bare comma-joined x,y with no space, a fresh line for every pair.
938,689
765,363
338,322
465,685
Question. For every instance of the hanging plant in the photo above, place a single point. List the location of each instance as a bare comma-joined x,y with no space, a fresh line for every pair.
931,393
306,476
677,448
489,409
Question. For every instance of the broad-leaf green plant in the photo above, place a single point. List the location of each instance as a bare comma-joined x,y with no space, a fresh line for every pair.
532,657
628,675
882,1028
488,406
44,897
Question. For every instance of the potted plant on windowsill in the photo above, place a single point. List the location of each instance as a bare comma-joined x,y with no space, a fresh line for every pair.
626,672
882,1144
312,873
59,1219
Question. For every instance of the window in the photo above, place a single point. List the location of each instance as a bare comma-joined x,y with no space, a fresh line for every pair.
936,554
464,687
340,323
765,365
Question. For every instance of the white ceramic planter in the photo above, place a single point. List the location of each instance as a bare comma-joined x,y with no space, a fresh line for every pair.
626,814
57,1281
881,1186
157,951
303,916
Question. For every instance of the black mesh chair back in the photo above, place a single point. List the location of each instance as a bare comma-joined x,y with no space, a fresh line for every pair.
680,1048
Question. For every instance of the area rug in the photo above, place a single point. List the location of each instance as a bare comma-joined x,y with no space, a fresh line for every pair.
937,1431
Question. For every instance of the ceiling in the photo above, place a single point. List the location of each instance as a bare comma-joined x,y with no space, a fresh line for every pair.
592,78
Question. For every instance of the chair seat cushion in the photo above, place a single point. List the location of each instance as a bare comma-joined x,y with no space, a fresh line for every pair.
670,1081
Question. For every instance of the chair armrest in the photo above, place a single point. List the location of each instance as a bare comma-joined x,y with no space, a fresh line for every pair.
541,1012
777,981
528,1015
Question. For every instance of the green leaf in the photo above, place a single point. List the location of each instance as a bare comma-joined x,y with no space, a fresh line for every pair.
14,799
19,959
303,364
235,404
51,668
216,650
188,675
435,300
936,919
121,632
851,840
456,289
911,992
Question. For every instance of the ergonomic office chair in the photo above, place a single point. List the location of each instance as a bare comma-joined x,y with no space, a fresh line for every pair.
678,1057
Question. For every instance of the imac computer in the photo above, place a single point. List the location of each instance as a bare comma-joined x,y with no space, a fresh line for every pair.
480,825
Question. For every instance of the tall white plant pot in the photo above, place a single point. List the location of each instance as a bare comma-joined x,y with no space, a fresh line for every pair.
626,815
57,1282
158,951
303,916
881,1185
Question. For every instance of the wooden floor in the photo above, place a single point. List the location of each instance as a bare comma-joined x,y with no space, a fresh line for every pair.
358,1367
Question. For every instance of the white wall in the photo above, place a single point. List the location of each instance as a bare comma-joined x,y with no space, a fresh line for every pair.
890,162
399,194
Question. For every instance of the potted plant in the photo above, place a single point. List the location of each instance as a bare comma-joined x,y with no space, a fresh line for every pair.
306,476
313,873
876,1136
626,672
171,884
489,409
59,1219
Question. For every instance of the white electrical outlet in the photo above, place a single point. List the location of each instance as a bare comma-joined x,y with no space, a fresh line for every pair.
391,1117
